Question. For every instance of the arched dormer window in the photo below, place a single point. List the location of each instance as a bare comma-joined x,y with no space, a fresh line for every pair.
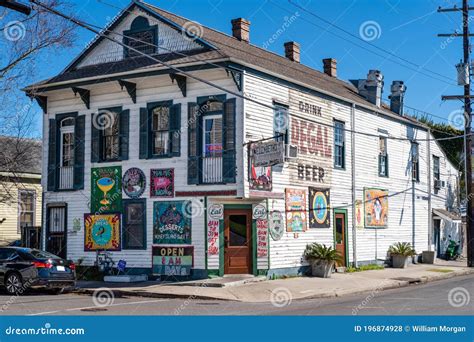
141,37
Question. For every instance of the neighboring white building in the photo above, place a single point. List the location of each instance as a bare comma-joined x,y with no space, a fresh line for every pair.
190,199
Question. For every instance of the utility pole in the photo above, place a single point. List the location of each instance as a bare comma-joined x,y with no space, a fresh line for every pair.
467,120
16,6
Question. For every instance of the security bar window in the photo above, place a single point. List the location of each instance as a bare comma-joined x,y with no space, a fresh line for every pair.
339,145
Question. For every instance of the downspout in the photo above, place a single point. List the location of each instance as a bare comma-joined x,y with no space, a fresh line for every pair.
354,230
430,218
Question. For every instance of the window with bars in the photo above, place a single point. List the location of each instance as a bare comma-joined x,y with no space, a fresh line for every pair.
339,145
383,157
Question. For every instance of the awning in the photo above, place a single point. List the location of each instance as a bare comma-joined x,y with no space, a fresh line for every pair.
447,215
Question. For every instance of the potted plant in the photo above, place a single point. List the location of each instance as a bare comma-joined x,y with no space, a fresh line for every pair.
322,259
401,253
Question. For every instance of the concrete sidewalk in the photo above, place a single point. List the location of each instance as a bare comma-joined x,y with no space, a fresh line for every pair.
294,288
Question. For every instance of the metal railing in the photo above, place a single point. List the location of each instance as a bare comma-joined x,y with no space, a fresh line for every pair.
66,178
212,170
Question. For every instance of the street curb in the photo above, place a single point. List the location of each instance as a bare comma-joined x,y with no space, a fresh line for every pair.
399,284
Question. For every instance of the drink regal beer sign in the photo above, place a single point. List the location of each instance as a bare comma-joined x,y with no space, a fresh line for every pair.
310,130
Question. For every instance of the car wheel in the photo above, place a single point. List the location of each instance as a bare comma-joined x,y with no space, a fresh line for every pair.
13,283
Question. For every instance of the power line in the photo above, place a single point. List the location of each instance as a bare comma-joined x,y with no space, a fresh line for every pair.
197,78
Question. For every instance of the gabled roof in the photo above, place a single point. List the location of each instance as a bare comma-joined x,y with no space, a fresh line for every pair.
217,46
20,155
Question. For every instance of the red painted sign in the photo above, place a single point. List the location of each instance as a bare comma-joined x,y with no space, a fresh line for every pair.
311,138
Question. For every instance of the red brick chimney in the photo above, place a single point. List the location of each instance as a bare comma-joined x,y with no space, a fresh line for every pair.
330,67
241,29
292,51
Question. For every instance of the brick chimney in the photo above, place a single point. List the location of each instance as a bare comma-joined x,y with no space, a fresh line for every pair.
372,87
241,29
292,51
330,67
397,96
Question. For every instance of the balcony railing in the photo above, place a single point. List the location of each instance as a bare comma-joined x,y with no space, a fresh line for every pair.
212,170
66,178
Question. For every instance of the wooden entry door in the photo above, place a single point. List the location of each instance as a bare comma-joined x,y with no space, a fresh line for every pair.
238,241
340,235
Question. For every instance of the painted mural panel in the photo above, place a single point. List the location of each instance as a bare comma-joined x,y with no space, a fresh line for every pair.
319,208
376,208
310,130
162,183
106,189
102,232
172,260
296,210
260,177
134,182
172,222
359,214
276,227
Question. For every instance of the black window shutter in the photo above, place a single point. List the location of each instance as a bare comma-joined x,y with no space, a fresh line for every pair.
52,152
124,127
79,151
228,157
175,130
95,140
144,129
193,147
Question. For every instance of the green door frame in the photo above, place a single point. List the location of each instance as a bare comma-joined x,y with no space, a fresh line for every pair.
346,244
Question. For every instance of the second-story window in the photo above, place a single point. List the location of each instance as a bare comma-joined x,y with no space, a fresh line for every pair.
280,122
415,162
66,166
141,39
383,157
160,128
339,145
436,173
110,136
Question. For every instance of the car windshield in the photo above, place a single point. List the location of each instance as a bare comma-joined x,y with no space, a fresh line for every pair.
42,254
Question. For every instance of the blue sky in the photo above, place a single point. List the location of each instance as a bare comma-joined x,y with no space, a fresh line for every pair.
405,28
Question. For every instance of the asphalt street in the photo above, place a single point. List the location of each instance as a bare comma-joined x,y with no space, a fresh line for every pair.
447,297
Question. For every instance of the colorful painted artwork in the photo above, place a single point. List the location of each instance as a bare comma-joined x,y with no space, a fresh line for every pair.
106,189
276,228
319,209
162,183
134,182
172,261
102,232
359,214
260,177
296,210
376,208
172,223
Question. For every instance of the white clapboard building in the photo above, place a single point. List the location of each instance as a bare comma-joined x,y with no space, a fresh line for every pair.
214,156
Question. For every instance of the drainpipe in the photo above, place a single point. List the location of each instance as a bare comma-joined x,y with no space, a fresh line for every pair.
413,213
430,219
354,230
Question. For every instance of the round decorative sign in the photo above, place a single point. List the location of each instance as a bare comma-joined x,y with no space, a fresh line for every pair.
320,207
134,182
276,225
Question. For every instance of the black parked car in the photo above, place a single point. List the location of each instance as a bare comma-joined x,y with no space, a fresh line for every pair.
24,268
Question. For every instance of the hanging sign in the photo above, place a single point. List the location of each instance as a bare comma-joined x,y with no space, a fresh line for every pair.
102,232
106,189
319,213
162,183
260,177
172,260
268,153
376,208
171,223
134,182
276,228
296,210
215,213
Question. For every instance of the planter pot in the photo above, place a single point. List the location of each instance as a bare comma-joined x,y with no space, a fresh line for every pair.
400,261
322,268
428,257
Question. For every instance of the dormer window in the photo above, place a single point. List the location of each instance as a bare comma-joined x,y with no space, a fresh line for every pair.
141,37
